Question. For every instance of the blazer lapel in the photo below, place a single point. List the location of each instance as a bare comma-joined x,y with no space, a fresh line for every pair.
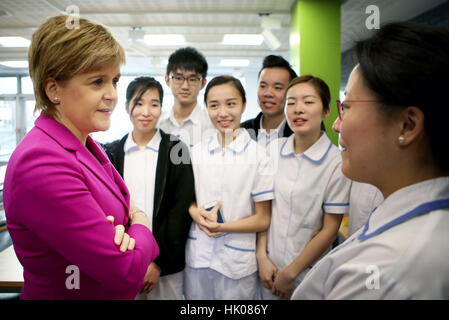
102,168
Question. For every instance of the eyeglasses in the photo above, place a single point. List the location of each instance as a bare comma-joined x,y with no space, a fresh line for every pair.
179,80
341,106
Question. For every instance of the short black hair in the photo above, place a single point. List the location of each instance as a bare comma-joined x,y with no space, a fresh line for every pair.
189,59
407,64
138,87
223,80
273,61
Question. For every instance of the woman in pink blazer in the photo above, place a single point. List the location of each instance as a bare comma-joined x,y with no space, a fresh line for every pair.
60,186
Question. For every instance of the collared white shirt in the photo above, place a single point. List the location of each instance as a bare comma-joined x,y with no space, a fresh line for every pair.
196,127
364,198
237,175
400,253
264,138
307,185
139,171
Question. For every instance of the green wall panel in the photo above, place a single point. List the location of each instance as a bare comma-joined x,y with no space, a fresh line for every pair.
315,47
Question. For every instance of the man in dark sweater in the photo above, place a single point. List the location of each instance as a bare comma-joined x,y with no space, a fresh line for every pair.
273,80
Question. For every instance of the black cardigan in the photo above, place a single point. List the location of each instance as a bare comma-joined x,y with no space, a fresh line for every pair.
173,194
255,125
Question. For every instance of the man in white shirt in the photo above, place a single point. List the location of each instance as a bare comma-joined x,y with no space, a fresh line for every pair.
270,124
186,76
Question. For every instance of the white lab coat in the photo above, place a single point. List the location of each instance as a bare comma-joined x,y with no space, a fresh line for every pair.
401,253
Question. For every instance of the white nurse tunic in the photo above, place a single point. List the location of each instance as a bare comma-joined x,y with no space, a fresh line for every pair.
237,175
363,199
401,253
307,185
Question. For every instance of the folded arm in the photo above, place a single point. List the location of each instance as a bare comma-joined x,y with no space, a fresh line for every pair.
54,202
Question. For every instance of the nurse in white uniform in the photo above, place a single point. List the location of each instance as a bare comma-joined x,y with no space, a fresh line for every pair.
392,127
363,199
311,193
233,175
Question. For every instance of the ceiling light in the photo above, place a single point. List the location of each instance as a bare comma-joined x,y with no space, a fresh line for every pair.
270,39
268,22
15,64
234,62
243,39
164,39
14,42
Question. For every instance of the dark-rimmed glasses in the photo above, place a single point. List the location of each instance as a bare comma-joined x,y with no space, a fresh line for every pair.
341,106
178,79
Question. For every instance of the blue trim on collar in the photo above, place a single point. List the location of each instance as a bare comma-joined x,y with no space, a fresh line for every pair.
419,210
292,154
134,146
238,152
130,148
219,148
282,149
152,149
209,147
137,147
322,158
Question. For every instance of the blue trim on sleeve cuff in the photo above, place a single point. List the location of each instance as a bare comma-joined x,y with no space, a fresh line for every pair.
336,204
262,192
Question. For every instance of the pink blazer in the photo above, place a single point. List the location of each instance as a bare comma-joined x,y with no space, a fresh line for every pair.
57,195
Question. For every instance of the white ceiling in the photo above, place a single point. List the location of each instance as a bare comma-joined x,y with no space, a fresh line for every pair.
203,22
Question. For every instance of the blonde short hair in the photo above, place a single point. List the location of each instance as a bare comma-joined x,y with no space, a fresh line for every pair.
61,51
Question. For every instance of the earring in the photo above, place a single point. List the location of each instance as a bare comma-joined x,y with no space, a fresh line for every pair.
401,139
56,100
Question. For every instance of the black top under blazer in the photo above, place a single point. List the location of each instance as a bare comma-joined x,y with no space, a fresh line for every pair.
254,124
173,194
